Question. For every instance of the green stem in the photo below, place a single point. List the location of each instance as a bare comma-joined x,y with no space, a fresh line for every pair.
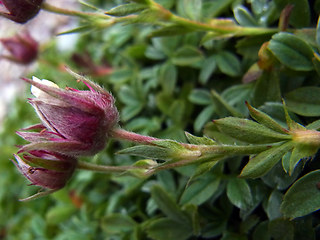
236,30
54,9
122,134
102,168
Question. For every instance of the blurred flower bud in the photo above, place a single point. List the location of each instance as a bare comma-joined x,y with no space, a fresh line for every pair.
46,169
89,66
74,122
23,48
20,11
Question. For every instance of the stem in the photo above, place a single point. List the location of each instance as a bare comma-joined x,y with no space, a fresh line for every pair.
199,26
102,168
54,9
122,134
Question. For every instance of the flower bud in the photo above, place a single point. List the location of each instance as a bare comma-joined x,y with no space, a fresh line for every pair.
23,48
74,122
20,11
46,169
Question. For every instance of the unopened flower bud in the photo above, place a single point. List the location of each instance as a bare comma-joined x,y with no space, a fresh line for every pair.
46,169
23,48
20,11
74,122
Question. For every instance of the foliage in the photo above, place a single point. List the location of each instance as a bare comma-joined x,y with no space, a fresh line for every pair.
175,66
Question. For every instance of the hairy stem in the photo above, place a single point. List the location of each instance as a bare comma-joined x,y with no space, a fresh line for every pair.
54,9
102,168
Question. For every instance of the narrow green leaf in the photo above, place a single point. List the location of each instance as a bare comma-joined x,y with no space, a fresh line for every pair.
265,120
263,162
304,101
199,140
248,131
167,205
303,197
234,112
126,9
239,193
292,125
292,51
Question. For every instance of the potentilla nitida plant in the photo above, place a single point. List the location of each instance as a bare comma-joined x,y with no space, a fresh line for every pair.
20,11
23,48
73,122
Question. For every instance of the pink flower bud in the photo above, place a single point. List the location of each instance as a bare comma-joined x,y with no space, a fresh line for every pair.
46,169
20,11
23,48
74,122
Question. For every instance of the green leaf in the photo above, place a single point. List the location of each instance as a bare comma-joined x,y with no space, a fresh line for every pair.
318,33
208,67
273,205
168,77
147,151
244,17
201,169
281,229
200,191
204,117
299,152
303,197
248,131
234,112
190,9
154,53
167,205
314,125
121,76
126,9
304,101
292,125
187,56
261,232
117,223
264,161
239,193
228,63
292,51
165,229
59,214
265,120
200,96
267,88
199,140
